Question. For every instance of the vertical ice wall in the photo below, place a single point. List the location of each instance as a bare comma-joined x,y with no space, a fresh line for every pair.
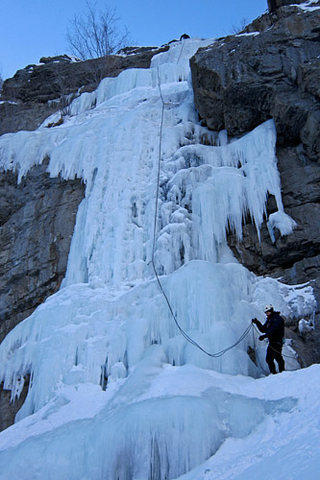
112,140
109,325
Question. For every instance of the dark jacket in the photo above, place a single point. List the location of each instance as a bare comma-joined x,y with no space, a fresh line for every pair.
273,328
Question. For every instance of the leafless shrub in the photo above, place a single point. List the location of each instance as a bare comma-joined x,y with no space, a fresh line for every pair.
236,29
94,33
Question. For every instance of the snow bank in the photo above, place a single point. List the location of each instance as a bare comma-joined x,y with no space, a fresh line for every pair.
284,446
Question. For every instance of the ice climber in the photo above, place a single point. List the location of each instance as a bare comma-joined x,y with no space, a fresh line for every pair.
273,329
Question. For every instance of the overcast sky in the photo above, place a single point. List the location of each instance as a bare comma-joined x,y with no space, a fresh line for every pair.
30,29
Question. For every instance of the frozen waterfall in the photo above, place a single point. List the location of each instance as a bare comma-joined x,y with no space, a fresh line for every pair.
116,392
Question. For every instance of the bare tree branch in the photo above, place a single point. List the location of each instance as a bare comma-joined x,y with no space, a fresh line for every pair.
235,29
96,34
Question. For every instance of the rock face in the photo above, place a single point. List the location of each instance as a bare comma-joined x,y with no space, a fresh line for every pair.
296,257
273,5
37,91
37,219
272,70
243,80
8,408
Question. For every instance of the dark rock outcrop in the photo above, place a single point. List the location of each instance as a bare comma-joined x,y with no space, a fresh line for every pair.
8,407
37,219
273,5
296,257
273,71
37,91
243,80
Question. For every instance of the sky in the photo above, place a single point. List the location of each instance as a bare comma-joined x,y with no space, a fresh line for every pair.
31,29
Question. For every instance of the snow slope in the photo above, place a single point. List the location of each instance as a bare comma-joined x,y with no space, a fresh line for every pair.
285,445
116,391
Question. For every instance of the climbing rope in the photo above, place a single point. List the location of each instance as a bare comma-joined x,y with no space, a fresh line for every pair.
257,360
181,50
184,334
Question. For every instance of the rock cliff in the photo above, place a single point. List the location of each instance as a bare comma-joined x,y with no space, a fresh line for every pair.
273,5
37,218
37,91
272,70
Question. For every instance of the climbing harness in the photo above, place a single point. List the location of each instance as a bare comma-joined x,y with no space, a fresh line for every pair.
184,334
271,348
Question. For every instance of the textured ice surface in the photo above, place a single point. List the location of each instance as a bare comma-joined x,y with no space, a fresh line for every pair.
116,392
